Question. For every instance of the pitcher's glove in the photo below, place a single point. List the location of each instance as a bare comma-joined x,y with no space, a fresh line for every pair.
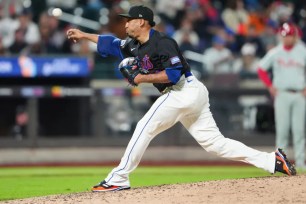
130,67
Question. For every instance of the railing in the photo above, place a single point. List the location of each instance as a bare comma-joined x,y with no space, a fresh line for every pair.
64,116
60,109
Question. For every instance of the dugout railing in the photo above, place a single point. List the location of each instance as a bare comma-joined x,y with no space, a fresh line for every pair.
105,112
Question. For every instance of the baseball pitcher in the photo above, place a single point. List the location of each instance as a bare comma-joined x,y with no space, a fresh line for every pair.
157,59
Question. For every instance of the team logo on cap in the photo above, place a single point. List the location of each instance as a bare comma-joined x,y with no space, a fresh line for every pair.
288,29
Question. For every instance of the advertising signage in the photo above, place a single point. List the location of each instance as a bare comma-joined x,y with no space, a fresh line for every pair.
31,67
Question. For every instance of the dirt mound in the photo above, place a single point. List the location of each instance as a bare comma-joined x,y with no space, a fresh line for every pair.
270,190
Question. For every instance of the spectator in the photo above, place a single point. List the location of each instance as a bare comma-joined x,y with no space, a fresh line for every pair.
218,58
235,16
19,42
231,40
186,35
254,38
281,12
212,15
168,10
70,4
52,38
268,38
257,20
252,4
247,64
57,36
187,39
30,28
7,28
207,24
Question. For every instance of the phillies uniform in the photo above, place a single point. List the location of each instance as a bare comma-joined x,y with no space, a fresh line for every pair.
183,100
288,68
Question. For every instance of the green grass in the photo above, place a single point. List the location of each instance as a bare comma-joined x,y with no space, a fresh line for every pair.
38,181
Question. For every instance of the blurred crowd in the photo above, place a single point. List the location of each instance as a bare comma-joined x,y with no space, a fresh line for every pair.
230,35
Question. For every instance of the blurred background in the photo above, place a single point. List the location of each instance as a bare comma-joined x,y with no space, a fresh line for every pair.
54,93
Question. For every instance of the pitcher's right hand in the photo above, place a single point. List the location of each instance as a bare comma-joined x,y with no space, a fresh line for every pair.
75,34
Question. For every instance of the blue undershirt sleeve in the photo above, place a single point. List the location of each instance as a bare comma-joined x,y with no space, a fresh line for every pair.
174,73
109,45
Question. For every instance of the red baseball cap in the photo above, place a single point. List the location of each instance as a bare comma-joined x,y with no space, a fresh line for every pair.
288,29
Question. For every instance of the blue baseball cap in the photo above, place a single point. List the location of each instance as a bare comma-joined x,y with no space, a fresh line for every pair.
218,40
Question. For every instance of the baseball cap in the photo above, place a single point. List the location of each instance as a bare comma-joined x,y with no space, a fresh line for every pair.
288,29
218,40
140,12
248,49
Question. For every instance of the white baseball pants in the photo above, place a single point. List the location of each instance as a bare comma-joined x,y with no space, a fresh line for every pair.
187,103
290,113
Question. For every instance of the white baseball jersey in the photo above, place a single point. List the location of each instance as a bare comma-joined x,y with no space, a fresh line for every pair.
288,66
212,56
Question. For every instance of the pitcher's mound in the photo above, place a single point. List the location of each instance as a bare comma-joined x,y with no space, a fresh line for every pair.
272,189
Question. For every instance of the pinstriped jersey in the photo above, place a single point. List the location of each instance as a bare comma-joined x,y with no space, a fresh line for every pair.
288,66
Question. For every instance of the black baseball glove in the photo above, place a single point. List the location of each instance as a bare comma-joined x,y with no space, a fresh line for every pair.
130,67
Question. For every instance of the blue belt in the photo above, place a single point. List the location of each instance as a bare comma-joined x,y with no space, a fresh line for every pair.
170,88
188,74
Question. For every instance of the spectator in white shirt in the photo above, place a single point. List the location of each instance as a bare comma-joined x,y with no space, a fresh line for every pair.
218,58
186,30
30,28
247,64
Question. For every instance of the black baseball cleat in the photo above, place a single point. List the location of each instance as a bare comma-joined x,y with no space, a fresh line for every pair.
282,164
103,187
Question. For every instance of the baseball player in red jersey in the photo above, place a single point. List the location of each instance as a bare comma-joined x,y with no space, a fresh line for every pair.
288,63
183,99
